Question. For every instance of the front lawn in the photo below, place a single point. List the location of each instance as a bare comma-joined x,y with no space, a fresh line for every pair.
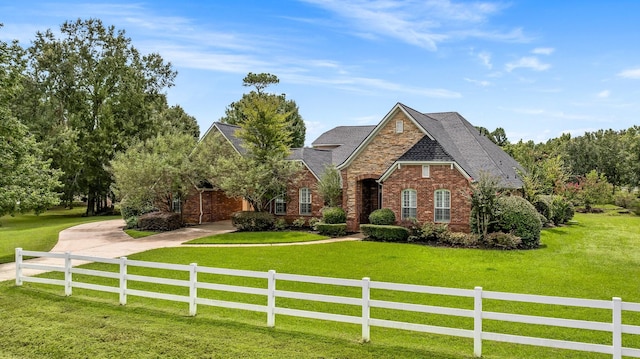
597,257
258,238
39,233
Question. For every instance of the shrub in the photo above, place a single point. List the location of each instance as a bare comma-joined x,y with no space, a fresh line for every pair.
519,217
502,240
280,224
412,225
382,217
130,210
332,230
131,223
159,221
313,223
334,215
252,221
386,233
562,210
458,239
625,199
299,222
433,231
544,206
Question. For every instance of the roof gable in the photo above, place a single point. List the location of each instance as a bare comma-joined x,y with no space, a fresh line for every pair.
426,150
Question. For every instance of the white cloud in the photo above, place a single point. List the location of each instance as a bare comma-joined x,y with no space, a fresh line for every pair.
630,74
543,51
482,83
529,62
604,94
420,23
485,57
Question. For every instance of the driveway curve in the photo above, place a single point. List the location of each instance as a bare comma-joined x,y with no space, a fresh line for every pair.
107,239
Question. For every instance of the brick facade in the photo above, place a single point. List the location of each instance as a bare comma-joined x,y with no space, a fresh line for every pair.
305,180
216,206
440,177
373,161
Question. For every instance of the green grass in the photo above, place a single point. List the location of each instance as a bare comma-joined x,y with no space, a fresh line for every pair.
133,233
597,257
38,233
258,238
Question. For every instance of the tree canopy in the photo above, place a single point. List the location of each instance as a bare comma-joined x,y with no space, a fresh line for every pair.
238,112
88,95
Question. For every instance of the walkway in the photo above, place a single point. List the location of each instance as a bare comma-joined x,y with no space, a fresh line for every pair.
107,239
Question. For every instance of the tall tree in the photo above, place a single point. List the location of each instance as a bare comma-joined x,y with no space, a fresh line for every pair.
262,174
27,182
237,112
93,89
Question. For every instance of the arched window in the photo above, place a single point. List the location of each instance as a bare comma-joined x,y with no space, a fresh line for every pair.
409,203
442,204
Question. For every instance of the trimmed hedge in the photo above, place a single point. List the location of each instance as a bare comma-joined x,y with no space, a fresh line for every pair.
382,217
520,218
253,221
385,232
159,221
334,215
544,206
502,240
563,210
332,229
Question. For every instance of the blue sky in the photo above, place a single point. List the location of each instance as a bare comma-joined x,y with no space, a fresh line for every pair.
536,68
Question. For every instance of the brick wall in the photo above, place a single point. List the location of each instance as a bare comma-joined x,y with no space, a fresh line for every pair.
216,206
305,180
441,177
374,160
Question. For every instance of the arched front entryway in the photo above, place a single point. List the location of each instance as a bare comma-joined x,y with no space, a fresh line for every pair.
369,201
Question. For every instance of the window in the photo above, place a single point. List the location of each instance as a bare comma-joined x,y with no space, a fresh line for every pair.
305,201
425,171
442,206
176,205
399,126
409,203
281,206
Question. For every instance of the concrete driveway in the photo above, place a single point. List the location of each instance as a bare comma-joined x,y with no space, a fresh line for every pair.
107,239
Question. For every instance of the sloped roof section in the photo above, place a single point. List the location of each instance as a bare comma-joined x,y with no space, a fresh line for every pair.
426,150
473,152
317,160
346,138
229,131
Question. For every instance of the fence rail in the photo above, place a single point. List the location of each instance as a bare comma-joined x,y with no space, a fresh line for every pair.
365,302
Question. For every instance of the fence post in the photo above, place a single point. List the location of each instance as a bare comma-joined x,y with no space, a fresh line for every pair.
67,274
193,289
18,266
366,309
477,322
617,328
271,299
123,280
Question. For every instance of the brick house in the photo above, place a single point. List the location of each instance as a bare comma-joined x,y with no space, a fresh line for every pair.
420,165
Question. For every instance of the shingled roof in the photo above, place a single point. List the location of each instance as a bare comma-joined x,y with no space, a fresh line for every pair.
345,139
473,152
315,159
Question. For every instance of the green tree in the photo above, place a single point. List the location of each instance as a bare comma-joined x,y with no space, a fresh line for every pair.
91,90
27,182
484,204
238,112
262,174
595,189
175,119
329,187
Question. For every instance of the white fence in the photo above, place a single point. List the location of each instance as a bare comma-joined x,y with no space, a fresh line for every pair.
614,327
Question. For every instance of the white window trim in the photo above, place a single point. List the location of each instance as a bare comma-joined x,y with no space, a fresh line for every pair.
399,126
301,203
426,171
413,203
277,201
436,208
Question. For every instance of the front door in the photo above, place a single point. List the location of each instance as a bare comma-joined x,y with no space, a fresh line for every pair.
369,198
